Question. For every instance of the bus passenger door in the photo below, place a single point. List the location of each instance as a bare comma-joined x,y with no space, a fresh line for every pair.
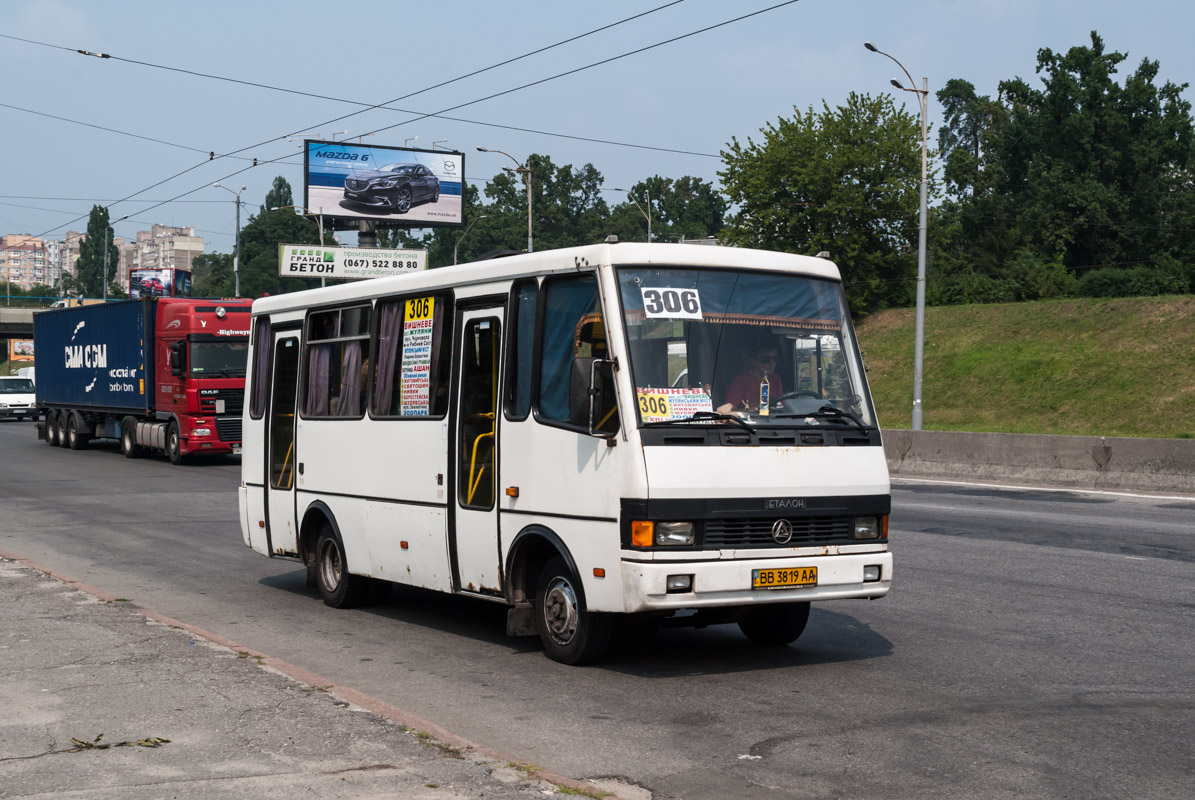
473,536
281,528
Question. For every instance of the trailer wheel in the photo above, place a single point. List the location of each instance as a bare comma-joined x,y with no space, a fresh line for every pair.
59,438
50,428
571,633
775,625
338,588
74,439
128,438
174,444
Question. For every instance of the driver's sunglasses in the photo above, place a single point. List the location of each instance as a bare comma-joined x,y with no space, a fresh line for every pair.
764,358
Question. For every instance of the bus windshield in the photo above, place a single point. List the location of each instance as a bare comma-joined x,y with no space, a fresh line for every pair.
771,349
219,359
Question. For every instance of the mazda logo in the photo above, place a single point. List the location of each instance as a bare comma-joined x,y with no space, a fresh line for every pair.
449,165
782,531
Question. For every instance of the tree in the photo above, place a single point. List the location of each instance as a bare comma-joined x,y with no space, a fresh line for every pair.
279,195
88,279
259,245
845,180
212,275
687,208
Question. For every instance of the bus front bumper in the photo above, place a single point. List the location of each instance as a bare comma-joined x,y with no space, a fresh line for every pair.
729,582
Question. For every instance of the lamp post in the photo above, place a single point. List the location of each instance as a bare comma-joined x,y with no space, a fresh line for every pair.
919,334
460,238
646,213
438,141
412,139
236,254
527,179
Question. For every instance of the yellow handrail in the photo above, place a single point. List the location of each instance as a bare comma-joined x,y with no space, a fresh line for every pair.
475,480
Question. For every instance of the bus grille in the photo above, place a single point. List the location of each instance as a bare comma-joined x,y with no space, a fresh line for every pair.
228,429
758,532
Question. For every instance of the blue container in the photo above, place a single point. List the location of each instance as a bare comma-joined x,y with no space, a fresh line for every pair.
98,357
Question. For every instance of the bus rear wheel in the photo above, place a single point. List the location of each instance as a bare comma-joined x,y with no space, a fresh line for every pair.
571,633
775,625
337,586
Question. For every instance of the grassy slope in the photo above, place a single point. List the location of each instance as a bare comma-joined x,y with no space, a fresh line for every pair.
1085,367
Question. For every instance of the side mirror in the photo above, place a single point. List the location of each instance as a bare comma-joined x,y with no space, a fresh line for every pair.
592,403
178,359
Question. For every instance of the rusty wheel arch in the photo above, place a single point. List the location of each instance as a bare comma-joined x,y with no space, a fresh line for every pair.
533,546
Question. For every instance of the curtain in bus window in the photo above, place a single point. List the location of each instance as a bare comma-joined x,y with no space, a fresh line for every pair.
318,375
351,381
261,366
389,339
567,301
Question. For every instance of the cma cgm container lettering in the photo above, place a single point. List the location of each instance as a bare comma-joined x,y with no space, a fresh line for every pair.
164,374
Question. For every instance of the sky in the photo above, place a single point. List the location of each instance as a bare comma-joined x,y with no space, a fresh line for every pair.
693,95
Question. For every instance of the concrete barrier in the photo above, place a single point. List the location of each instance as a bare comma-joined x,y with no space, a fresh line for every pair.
1090,462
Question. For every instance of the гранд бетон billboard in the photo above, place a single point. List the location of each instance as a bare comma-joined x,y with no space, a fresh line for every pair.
400,187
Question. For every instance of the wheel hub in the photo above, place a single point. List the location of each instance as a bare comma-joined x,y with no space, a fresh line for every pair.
560,611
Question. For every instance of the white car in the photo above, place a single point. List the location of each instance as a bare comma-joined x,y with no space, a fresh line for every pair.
17,398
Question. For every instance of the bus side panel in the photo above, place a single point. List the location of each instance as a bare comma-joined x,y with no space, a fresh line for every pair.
423,561
350,514
404,459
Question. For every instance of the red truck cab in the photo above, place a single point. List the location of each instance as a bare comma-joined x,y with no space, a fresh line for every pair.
199,371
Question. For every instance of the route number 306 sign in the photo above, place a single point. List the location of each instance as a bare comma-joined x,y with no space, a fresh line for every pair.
667,303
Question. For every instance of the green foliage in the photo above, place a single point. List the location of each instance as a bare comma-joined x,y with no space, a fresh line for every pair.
1135,282
844,180
968,287
212,275
260,239
685,208
1062,367
279,195
1081,170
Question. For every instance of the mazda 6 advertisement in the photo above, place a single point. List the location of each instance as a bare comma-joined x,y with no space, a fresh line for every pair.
346,183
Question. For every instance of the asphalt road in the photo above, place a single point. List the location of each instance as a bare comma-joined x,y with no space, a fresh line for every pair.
1035,644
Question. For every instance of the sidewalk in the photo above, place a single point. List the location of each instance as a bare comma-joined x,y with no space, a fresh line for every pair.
73,667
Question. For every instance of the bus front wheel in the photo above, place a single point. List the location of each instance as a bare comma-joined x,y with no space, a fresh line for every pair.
571,634
776,624
338,588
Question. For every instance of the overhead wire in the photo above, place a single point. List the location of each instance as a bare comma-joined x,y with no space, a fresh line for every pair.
258,162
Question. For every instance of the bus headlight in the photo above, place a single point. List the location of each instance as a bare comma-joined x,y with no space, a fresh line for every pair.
867,527
675,534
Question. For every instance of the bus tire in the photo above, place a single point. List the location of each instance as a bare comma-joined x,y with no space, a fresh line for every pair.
571,633
174,445
337,586
776,624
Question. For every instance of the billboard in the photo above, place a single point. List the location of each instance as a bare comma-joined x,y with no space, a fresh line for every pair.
397,186
20,349
313,261
159,283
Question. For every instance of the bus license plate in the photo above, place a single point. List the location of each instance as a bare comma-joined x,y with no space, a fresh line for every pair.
783,578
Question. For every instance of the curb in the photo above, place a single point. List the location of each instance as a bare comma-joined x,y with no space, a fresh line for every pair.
346,694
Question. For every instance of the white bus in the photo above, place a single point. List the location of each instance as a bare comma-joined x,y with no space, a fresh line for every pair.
658,430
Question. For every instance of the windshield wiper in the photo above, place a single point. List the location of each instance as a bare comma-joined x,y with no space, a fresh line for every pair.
701,416
828,411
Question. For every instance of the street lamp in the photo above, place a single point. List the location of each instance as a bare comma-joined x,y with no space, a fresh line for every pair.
236,254
412,139
438,141
919,335
646,213
460,238
527,179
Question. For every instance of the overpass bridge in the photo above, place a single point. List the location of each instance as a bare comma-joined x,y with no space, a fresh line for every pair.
16,323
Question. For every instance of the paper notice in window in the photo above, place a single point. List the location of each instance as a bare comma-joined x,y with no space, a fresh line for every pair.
660,405
417,356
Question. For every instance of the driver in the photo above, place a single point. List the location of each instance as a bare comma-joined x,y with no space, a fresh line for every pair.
743,392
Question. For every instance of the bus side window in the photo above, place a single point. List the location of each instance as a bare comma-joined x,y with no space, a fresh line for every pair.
520,345
414,344
572,330
337,363
258,389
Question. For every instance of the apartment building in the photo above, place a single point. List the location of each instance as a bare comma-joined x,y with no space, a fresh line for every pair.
161,247
25,262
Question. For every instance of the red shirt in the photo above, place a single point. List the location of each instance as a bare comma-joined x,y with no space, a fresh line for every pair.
744,390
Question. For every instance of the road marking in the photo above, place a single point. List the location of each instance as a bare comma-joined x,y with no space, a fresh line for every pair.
1187,498
1136,558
